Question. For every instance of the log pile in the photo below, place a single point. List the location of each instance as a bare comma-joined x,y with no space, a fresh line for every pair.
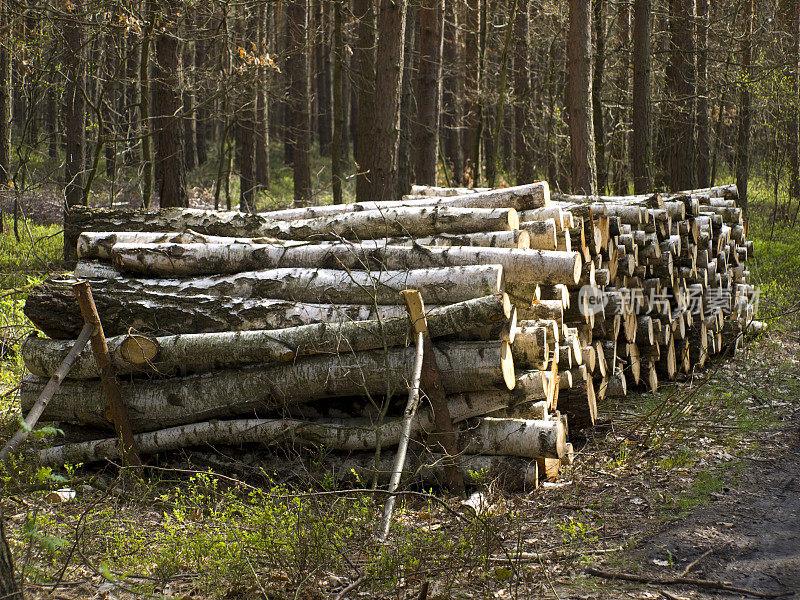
288,327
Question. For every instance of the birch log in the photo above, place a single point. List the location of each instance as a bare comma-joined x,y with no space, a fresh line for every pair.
52,310
441,285
194,353
192,259
493,239
154,404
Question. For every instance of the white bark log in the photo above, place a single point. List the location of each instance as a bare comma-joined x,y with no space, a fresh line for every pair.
188,259
208,351
465,366
494,239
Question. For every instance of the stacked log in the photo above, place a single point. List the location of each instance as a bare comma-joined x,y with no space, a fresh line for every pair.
288,327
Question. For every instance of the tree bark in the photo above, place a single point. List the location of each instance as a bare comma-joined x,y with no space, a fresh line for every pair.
451,96
579,99
703,148
146,125
364,86
381,153
598,15
322,78
680,82
299,101
154,404
442,285
523,266
170,168
5,97
619,144
641,146
470,137
745,116
74,109
200,352
523,129
338,103
349,435
425,140
262,173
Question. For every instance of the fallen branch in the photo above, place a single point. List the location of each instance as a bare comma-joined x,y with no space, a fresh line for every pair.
702,583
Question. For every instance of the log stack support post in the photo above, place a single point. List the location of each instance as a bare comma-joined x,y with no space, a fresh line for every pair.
116,412
434,390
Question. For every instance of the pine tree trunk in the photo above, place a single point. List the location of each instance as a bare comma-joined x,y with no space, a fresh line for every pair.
680,82
299,101
75,110
428,91
170,169
470,137
322,75
189,84
597,89
405,164
338,103
641,146
146,125
523,130
385,135
703,149
579,98
364,87
5,97
202,117
793,135
261,132
620,139
451,96
745,115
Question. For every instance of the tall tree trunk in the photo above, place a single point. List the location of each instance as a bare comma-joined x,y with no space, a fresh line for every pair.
297,25
641,147
262,107
338,108
405,164
170,170
75,106
245,118
425,140
364,86
189,81
680,81
579,98
523,130
791,11
323,78
381,157
703,152
745,116
452,96
5,97
597,89
620,137
146,126
470,137
202,117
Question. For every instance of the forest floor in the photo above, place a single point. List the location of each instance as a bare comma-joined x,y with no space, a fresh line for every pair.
701,480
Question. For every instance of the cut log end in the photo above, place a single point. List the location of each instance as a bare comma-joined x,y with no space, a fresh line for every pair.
139,349
507,364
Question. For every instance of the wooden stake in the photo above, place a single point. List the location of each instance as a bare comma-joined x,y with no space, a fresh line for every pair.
116,412
432,384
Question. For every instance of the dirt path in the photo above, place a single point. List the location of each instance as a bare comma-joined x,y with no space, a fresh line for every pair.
752,529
